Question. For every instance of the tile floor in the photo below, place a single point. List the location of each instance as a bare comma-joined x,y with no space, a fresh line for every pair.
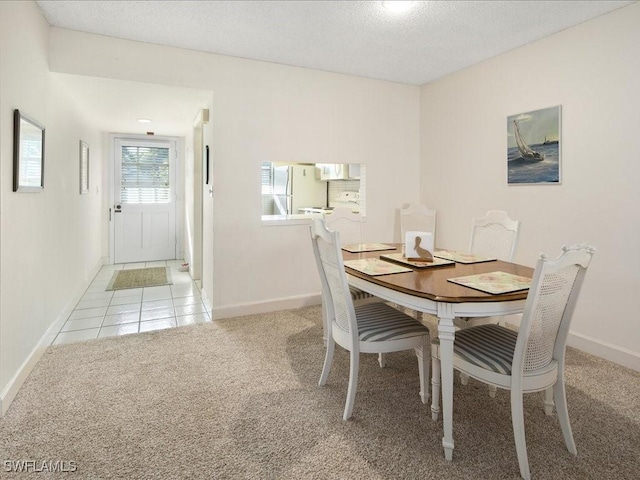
101,313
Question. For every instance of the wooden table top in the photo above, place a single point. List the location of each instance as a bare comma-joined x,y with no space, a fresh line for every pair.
432,283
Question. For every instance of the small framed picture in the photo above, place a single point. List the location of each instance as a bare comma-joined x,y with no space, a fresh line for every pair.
84,167
534,147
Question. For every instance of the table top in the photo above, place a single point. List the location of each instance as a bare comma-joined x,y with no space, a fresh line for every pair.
432,283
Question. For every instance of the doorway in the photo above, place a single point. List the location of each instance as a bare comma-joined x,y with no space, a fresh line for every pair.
144,200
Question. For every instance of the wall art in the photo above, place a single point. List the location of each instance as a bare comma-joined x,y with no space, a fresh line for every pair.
533,147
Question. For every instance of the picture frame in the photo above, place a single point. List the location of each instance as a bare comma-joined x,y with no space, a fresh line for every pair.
534,147
28,154
84,167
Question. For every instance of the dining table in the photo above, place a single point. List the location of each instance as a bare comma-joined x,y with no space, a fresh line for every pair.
429,290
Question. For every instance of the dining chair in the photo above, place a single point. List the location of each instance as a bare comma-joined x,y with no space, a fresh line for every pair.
416,217
368,328
349,224
493,235
532,358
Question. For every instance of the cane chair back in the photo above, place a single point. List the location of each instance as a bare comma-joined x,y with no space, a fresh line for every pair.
349,224
417,218
335,288
495,235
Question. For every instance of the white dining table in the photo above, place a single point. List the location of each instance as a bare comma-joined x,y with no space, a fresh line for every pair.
429,291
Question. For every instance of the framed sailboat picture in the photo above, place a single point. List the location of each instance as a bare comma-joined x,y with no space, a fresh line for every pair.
533,147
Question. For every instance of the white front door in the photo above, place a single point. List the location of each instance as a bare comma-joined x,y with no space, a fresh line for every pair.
144,201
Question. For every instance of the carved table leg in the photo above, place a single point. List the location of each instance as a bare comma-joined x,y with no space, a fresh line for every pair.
446,334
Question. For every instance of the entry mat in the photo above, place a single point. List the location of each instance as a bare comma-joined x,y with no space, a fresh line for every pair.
139,278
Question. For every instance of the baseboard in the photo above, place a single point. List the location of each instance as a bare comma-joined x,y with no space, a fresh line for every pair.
613,353
254,308
11,390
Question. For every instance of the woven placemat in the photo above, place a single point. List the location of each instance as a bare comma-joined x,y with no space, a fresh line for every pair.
139,278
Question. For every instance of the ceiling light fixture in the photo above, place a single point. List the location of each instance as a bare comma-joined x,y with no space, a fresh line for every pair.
144,120
397,6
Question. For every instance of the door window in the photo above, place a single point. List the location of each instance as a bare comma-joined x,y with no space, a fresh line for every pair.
145,175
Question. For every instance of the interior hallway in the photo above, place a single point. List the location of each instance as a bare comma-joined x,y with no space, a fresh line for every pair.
101,313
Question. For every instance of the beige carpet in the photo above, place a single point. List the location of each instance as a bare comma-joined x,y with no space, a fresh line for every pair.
238,399
139,277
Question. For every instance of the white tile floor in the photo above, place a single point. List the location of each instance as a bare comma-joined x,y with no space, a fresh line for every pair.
101,313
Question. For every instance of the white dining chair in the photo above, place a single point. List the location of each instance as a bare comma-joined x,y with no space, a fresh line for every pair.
493,235
532,358
369,328
417,218
349,224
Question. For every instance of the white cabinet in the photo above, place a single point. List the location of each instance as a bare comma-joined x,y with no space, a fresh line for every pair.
333,171
339,171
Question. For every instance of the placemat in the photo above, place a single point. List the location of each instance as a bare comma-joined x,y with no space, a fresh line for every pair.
375,266
461,257
367,247
494,282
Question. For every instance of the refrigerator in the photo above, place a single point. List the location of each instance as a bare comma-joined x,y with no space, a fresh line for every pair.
296,187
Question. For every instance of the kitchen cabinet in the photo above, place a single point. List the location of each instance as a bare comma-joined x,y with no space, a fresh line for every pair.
333,171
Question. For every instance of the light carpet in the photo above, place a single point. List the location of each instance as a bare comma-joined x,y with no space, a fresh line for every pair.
239,398
140,278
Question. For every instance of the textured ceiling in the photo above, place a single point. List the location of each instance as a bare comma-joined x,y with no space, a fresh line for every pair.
432,39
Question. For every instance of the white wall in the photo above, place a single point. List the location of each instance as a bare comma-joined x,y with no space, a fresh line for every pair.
593,71
267,112
50,242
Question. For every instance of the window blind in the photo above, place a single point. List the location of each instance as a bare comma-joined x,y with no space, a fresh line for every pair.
145,174
267,178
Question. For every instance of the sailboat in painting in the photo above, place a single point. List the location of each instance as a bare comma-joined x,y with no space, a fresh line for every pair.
525,150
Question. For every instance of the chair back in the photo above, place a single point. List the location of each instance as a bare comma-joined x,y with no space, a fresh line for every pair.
417,218
335,287
349,224
555,287
495,235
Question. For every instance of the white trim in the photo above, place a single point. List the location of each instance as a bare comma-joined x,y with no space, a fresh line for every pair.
621,356
13,386
253,308
298,219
